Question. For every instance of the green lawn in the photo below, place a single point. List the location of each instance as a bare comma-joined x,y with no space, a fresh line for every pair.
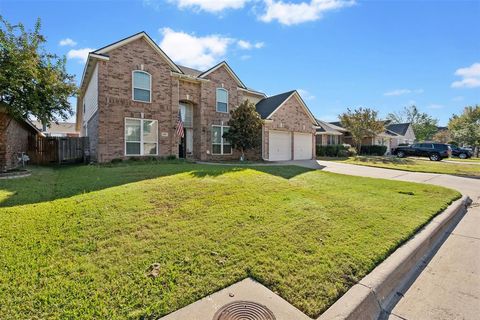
76,242
416,165
474,160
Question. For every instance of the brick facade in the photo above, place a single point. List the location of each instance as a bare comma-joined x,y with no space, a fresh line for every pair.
13,140
107,128
290,117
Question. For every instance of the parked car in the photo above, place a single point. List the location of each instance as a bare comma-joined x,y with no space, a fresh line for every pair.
434,151
462,153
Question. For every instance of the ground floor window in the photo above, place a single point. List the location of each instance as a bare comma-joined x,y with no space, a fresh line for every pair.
141,137
219,144
332,139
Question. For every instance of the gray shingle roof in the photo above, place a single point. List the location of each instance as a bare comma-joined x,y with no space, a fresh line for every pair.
267,105
399,128
190,71
395,128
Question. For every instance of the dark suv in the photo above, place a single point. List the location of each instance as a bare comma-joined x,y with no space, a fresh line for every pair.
434,151
461,152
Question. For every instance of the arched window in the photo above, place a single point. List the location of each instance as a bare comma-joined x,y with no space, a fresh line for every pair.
142,86
222,100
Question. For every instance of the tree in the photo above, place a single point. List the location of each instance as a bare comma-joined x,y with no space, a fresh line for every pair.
424,125
245,130
361,123
33,82
465,128
442,136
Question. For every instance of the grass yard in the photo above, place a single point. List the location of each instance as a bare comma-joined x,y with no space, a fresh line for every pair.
469,160
76,242
416,165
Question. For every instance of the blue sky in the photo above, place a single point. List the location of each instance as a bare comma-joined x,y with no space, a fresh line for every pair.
379,54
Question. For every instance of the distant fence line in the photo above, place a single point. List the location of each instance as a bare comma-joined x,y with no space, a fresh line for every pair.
57,150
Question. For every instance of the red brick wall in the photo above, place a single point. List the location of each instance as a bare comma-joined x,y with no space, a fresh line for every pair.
13,139
115,99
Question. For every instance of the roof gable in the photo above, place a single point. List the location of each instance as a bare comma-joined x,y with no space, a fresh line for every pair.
268,106
398,128
329,128
141,35
229,70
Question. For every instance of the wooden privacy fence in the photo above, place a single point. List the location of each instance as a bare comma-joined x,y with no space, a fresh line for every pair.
51,150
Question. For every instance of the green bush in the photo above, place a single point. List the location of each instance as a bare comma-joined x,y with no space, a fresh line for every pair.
333,150
116,160
373,150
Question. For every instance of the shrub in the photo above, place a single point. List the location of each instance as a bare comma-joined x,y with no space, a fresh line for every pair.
171,157
333,150
373,150
116,160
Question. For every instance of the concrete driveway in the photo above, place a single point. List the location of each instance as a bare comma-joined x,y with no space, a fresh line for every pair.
449,286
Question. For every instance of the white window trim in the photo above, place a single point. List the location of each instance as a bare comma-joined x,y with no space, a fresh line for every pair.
216,99
150,85
221,143
141,138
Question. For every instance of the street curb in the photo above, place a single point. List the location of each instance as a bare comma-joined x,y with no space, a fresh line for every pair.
376,294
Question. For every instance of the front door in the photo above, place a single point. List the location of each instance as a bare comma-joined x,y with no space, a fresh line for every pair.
182,147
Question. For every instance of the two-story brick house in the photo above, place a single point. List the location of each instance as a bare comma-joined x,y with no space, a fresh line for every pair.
131,94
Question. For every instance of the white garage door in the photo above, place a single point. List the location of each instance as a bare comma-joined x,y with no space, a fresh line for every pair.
279,145
302,143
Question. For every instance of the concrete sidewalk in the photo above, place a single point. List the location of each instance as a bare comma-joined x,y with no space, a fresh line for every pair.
449,286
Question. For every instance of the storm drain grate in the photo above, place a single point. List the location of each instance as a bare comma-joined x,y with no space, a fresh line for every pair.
244,310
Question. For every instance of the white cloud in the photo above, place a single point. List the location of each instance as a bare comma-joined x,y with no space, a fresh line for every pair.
245,57
246,45
400,92
67,42
201,52
305,94
193,51
289,13
457,98
213,6
467,83
80,54
470,77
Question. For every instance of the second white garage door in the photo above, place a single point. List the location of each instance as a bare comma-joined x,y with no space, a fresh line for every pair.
279,145
302,143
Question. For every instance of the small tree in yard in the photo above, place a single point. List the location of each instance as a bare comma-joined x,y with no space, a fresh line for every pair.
442,136
465,128
33,82
245,130
361,123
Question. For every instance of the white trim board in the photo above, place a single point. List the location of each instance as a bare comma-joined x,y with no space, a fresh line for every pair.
229,70
137,36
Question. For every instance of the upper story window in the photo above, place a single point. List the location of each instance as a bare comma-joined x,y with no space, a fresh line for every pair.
142,86
222,100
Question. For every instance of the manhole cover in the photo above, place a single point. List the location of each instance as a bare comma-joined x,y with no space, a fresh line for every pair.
244,310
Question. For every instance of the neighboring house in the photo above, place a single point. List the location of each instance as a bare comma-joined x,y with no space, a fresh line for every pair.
131,94
329,133
14,136
394,134
60,129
